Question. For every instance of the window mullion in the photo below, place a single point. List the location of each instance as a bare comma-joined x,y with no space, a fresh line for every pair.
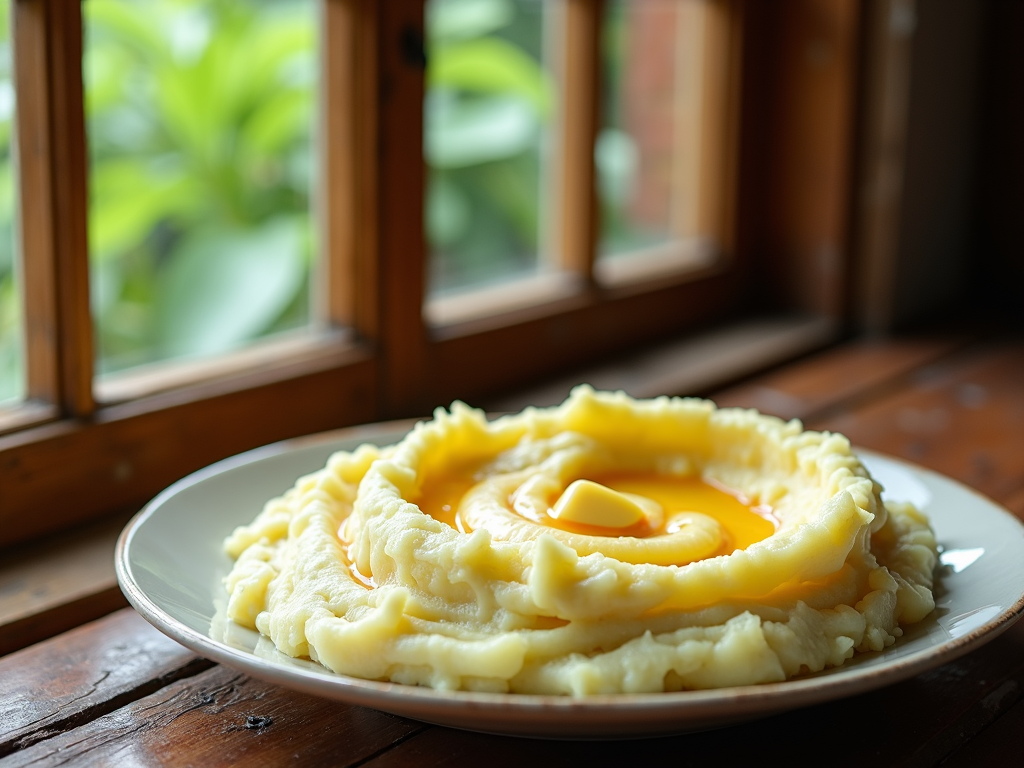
348,132
53,199
721,23
402,240
581,81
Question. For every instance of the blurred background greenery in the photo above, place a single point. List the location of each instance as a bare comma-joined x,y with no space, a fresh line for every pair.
199,116
200,120
11,385
488,118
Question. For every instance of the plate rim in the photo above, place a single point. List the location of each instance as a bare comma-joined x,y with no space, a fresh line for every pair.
636,714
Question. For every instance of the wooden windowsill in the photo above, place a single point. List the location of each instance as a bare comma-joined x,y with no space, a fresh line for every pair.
549,293
23,415
544,293
301,348
670,261
695,365
52,586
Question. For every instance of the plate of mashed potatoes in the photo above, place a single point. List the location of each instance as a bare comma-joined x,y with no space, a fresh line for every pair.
609,567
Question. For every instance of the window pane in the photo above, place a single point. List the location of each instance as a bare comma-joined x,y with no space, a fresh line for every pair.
200,117
488,117
644,124
11,352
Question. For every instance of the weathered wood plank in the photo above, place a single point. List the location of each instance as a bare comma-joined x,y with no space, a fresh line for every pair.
999,744
59,684
53,586
52,619
963,417
841,376
914,723
221,717
974,694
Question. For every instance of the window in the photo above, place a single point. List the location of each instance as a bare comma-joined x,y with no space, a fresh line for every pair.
407,308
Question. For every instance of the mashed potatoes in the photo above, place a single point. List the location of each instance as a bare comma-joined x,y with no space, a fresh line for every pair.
606,545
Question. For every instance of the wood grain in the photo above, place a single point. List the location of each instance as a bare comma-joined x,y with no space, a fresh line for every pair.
48,588
962,416
60,684
838,377
999,743
38,621
63,473
220,718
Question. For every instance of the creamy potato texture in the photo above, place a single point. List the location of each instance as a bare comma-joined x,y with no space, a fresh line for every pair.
606,545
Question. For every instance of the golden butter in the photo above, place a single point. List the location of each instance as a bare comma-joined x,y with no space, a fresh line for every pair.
588,503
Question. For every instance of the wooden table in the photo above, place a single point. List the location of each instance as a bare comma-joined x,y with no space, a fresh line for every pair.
116,692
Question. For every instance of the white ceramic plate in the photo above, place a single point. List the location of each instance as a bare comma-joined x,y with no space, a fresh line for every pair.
170,566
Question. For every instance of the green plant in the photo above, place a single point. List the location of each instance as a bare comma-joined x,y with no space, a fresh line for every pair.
489,100
10,306
199,118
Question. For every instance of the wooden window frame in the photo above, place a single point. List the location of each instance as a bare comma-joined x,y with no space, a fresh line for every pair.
74,451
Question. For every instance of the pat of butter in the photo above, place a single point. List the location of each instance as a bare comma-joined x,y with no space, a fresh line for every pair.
590,503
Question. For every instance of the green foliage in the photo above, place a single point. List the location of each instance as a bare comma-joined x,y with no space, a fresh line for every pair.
488,104
199,118
10,307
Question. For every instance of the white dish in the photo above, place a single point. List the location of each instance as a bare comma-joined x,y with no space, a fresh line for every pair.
170,565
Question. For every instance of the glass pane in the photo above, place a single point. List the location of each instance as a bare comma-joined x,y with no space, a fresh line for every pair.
11,352
200,116
488,118
637,153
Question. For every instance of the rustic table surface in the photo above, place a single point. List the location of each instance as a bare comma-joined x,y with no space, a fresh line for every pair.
114,691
